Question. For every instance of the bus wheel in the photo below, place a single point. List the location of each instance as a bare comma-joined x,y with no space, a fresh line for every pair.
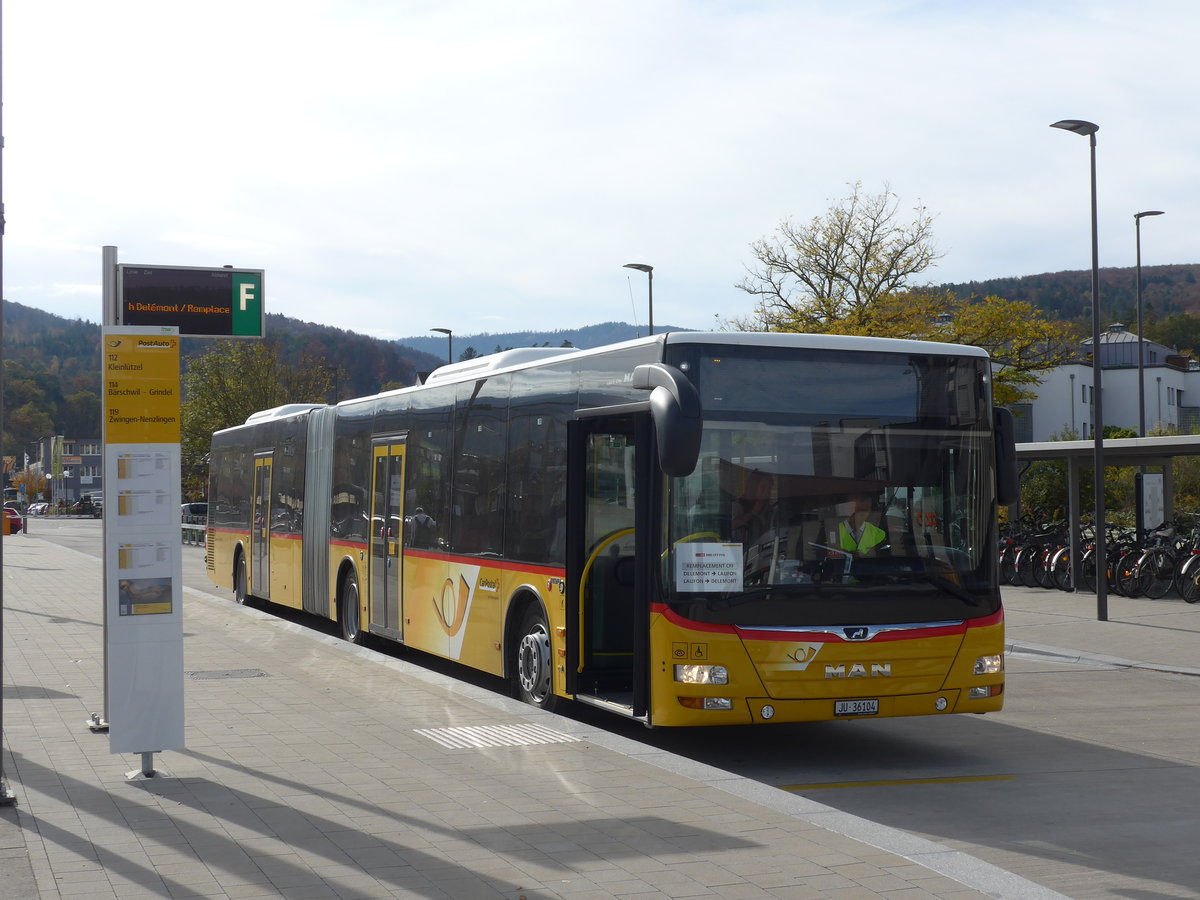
239,581
533,661
348,611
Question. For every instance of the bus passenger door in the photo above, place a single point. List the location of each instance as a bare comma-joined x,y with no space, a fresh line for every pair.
387,529
607,579
260,530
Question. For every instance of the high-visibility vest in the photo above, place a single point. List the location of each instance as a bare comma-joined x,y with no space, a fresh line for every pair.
872,536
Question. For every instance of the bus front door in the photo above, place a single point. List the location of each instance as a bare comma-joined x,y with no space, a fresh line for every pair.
260,530
608,590
387,529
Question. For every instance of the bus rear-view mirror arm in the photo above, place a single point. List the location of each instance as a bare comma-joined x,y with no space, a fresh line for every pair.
675,409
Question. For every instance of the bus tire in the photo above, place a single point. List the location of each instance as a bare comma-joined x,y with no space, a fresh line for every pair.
349,611
532,672
239,579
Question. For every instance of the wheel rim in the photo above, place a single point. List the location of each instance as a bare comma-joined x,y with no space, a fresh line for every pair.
350,610
239,588
533,663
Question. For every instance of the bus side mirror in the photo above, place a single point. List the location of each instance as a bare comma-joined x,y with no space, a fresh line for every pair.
675,409
1008,485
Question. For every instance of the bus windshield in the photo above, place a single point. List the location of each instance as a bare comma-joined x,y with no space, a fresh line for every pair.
834,487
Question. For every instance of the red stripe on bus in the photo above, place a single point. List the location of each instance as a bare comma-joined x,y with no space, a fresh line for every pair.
825,636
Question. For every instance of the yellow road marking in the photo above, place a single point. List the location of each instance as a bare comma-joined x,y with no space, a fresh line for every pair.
894,782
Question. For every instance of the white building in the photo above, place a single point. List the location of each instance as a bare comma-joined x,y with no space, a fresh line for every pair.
1171,390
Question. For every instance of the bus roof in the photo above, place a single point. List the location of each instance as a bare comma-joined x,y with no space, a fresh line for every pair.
532,357
823,342
505,359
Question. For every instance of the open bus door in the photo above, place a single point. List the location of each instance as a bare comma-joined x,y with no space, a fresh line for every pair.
387,529
260,529
609,564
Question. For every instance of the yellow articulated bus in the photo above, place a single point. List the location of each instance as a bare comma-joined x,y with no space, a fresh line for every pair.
687,529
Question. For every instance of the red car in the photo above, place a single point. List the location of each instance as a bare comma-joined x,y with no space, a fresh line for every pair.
14,520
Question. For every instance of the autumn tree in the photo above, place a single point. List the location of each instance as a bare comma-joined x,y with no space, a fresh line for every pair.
852,271
231,380
835,267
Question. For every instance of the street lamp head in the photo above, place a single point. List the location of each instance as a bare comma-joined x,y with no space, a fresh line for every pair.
1149,212
641,267
442,330
1077,126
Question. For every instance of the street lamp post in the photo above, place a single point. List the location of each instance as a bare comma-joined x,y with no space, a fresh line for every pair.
1137,228
1088,130
649,270
449,342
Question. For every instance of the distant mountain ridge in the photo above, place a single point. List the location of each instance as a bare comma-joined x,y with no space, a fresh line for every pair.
52,379
1067,296
52,363
484,343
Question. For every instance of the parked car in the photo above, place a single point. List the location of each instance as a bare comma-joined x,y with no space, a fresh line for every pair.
37,509
193,510
14,520
86,506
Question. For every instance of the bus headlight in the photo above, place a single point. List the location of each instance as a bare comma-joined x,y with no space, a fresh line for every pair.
990,665
983,693
701,674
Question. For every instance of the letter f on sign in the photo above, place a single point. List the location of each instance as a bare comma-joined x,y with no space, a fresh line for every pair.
246,308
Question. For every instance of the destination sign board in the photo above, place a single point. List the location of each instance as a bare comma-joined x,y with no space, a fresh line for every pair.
223,302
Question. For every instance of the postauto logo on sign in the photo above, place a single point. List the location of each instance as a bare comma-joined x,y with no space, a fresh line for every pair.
221,302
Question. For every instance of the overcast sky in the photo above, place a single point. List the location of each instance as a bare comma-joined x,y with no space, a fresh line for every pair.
398,165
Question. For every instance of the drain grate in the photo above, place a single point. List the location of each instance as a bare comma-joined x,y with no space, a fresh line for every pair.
220,674
494,736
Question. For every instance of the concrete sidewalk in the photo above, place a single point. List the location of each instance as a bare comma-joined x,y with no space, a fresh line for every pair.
317,769
1163,635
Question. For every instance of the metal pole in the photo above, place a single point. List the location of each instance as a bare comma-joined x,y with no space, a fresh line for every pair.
449,342
1098,400
1137,228
7,798
650,285
649,270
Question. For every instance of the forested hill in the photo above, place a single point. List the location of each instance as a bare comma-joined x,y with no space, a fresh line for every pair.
52,368
483,343
1166,291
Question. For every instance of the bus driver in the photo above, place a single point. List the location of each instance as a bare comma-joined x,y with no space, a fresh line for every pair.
857,536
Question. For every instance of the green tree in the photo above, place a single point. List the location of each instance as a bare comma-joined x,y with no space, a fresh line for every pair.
26,424
79,415
1181,332
850,272
232,379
